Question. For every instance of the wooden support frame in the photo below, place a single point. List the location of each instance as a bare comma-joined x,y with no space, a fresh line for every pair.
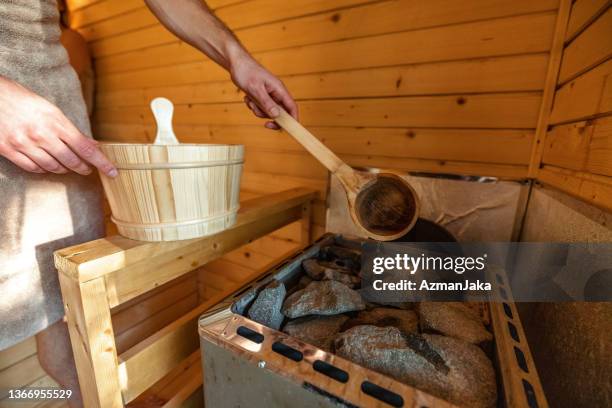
99,275
550,87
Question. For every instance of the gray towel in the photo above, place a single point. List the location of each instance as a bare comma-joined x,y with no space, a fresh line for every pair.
39,213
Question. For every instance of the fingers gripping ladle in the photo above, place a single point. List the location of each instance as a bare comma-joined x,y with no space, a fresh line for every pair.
383,205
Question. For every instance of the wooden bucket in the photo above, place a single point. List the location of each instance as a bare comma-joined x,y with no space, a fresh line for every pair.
173,192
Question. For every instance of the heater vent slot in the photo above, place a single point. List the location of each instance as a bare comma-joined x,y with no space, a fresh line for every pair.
520,359
532,401
330,371
289,352
382,394
513,332
250,334
507,310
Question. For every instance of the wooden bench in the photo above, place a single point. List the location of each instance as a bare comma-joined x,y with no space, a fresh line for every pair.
99,275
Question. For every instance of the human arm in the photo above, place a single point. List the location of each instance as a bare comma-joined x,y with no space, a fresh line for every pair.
193,22
36,135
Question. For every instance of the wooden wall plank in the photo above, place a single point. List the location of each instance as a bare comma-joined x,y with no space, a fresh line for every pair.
18,352
255,12
503,171
85,13
172,65
567,146
600,151
583,14
426,143
552,74
102,10
587,95
360,21
73,5
140,309
593,189
19,374
130,21
590,48
507,110
503,74
143,329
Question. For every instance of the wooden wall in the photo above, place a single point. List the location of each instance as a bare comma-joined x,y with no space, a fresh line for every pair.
577,154
440,86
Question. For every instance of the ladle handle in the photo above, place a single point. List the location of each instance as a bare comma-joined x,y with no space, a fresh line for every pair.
312,144
162,110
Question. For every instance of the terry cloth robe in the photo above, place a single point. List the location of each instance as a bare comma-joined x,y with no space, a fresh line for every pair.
39,213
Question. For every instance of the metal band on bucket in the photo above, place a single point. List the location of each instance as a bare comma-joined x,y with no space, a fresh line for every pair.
174,224
185,165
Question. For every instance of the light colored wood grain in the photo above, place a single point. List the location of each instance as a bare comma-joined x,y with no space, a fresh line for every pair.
136,279
486,145
18,352
587,95
500,74
588,187
20,374
588,49
248,256
552,74
499,110
174,388
214,280
227,269
131,313
155,321
167,193
85,13
600,151
567,146
93,342
151,67
105,256
358,21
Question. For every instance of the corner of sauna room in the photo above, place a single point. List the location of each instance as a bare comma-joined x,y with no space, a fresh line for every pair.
488,120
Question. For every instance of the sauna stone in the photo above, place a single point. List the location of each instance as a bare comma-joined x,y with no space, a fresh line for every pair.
267,306
325,298
448,368
319,331
320,270
346,257
453,319
404,320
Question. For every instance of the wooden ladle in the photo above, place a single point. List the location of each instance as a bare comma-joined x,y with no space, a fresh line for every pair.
383,205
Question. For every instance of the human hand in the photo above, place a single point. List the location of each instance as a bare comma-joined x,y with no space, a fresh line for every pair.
36,135
264,92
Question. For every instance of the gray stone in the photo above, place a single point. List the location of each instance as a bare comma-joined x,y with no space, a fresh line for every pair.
343,257
405,320
448,368
320,270
319,331
453,319
324,298
266,308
